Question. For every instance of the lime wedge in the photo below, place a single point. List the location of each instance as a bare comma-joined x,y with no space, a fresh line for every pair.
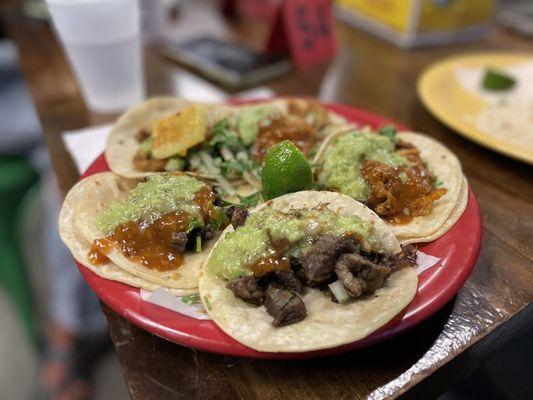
497,80
285,170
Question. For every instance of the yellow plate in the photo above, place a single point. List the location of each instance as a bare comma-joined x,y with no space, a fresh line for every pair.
449,102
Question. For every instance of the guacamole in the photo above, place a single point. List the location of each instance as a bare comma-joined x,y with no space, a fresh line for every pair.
160,194
252,241
249,120
341,169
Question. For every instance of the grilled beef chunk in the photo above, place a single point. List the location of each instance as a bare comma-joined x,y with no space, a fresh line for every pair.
179,241
318,264
407,258
288,279
247,288
359,275
408,255
285,306
238,217
229,211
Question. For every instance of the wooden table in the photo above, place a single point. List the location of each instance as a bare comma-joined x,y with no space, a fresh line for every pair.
373,75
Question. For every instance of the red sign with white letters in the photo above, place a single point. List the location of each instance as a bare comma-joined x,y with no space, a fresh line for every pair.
304,28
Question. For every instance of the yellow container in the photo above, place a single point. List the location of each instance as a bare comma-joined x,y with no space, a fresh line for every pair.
411,23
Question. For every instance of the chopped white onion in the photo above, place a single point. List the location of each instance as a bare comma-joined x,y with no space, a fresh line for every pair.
252,179
208,161
225,185
312,227
195,162
339,291
226,154
242,156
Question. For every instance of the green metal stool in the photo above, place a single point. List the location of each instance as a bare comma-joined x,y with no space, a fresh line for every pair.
17,176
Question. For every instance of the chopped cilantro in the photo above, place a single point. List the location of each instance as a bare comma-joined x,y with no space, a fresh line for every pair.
207,303
251,200
227,166
225,203
388,131
318,186
190,299
193,224
222,219
438,184
223,135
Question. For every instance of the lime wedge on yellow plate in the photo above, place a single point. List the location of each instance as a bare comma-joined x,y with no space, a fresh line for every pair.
497,80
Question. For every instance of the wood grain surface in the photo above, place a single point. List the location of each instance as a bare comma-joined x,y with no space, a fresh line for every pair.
369,74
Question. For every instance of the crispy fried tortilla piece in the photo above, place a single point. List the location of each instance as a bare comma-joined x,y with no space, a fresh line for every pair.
178,132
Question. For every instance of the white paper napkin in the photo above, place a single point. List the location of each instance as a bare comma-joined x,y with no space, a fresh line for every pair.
85,145
178,304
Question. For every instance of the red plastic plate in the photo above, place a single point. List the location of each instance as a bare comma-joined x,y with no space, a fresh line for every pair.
458,250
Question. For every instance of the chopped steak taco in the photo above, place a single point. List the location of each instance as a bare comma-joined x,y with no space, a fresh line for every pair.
410,180
223,143
306,271
150,233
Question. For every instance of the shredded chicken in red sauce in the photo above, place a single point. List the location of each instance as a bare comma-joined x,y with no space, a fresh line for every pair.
312,111
400,193
284,128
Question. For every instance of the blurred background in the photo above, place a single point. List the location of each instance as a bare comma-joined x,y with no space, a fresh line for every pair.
53,336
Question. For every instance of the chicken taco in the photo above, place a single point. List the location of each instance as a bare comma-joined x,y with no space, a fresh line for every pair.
219,142
149,233
411,181
306,271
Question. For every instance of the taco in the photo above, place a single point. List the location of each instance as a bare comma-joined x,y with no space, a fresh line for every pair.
80,248
306,271
410,180
219,142
147,233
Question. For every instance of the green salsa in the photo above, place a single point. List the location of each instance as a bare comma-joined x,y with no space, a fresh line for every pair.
252,241
249,120
159,195
341,169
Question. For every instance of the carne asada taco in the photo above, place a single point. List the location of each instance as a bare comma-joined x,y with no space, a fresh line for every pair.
223,143
306,271
158,230
410,180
